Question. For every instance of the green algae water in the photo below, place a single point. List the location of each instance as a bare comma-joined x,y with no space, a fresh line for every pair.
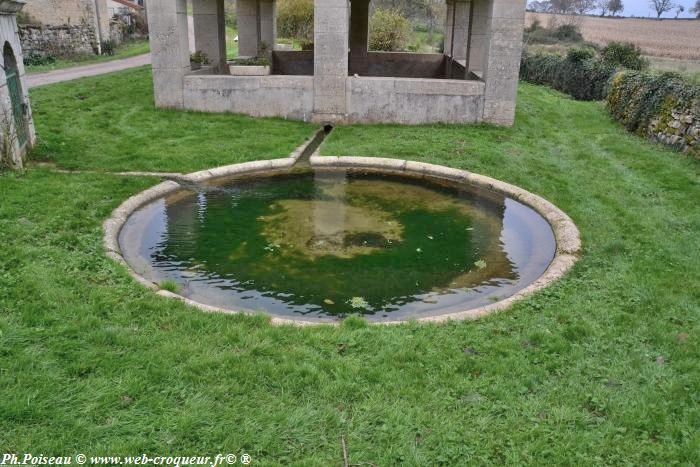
325,245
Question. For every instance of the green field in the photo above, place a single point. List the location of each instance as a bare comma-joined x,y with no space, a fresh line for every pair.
600,368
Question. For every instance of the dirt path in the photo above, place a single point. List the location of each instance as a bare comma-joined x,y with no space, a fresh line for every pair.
67,74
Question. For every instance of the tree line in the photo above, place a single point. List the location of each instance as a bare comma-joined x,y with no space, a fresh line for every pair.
606,7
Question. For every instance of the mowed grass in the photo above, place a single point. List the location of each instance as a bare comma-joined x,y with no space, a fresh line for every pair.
110,123
599,368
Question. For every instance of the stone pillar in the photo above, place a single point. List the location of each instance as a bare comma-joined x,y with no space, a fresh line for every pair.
102,22
210,30
460,32
170,52
479,35
449,26
249,34
331,28
12,62
501,67
268,26
359,36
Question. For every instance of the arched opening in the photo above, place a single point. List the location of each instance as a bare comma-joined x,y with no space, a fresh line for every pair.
14,87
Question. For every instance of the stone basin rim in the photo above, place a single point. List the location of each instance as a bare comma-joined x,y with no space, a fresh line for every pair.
566,234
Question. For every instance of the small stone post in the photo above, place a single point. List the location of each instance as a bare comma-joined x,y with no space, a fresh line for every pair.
461,30
170,52
501,65
268,26
210,31
17,135
331,28
359,36
249,35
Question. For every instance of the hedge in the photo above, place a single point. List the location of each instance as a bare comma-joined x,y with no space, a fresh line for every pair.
661,106
579,74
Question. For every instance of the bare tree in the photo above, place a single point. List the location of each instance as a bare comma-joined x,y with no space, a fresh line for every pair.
616,6
561,6
582,7
679,9
696,9
662,6
603,6
541,6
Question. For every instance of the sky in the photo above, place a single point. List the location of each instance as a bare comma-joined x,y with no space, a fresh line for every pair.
643,8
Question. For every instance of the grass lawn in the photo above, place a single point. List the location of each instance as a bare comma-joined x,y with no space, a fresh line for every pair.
126,50
599,368
114,125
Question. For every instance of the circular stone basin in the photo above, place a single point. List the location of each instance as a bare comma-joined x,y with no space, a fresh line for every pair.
322,245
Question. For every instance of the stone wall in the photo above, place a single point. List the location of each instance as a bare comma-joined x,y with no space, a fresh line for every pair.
62,12
662,107
58,40
259,96
678,128
412,101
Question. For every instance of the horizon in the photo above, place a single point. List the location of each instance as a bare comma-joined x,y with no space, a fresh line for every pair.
643,9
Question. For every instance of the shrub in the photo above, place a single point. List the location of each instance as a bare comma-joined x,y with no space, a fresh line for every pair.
199,57
295,19
625,54
388,30
109,47
37,59
568,33
536,25
579,74
580,54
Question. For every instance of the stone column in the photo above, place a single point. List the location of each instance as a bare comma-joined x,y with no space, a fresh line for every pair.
359,36
249,34
460,32
331,28
170,52
268,25
449,27
102,22
210,30
501,65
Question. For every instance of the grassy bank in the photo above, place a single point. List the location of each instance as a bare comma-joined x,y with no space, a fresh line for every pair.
600,368
126,50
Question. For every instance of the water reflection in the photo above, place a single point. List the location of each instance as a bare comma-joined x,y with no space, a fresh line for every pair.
319,244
